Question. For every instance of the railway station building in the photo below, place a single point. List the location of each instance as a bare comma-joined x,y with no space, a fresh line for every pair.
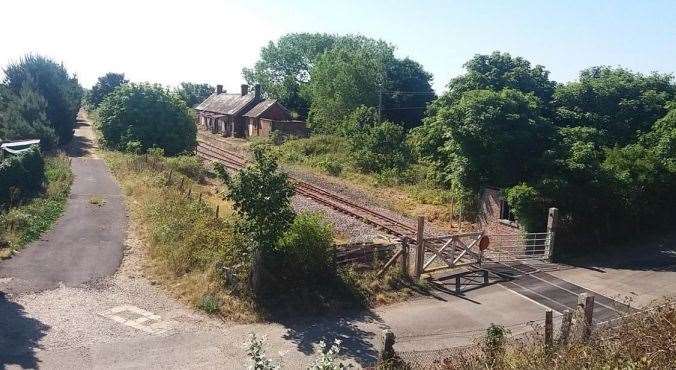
246,114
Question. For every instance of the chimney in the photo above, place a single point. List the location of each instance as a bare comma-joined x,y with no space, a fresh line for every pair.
257,91
245,89
219,89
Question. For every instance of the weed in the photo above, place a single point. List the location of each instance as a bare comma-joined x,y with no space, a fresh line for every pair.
97,200
209,304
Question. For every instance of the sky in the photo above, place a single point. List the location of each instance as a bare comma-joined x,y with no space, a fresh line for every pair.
212,40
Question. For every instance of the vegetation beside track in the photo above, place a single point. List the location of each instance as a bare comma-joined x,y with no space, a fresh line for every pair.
206,261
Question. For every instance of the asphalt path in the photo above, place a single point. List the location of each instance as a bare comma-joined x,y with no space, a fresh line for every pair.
85,244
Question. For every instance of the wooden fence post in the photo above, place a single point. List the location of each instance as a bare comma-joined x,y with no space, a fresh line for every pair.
217,210
566,322
549,329
420,247
404,258
552,226
387,346
586,302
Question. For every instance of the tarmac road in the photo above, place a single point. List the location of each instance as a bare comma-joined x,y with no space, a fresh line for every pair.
85,244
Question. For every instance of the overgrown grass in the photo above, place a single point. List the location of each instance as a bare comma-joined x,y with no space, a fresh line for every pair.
643,341
26,222
204,260
410,192
193,253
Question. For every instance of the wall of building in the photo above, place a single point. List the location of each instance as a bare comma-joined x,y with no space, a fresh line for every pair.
491,205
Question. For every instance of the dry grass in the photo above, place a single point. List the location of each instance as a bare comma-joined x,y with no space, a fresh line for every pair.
189,247
642,341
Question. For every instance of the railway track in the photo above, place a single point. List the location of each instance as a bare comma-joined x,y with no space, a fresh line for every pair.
337,202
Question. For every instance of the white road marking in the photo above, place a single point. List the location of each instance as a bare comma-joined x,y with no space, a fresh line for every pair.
143,320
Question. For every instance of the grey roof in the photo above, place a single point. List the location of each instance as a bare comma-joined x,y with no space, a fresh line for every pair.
225,103
261,107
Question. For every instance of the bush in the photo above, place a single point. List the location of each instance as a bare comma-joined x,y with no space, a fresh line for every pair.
380,147
105,85
525,203
24,116
333,168
188,165
148,114
305,252
51,81
21,176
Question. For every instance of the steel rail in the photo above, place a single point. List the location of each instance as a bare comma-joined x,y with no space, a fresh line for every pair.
391,226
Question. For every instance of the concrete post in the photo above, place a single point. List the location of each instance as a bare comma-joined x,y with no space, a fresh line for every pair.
566,322
552,226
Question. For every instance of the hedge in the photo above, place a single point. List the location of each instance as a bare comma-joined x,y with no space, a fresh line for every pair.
21,176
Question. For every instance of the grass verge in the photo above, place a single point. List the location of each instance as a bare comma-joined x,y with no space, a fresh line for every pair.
201,259
25,223
646,340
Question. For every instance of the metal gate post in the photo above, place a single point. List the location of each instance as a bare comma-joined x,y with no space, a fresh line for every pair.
552,225
420,247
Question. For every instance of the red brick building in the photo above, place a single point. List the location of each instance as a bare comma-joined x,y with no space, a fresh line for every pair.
246,114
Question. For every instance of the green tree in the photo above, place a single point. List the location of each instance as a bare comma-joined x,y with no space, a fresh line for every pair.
499,71
148,114
24,116
345,77
261,195
619,103
283,69
408,90
62,92
487,138
105,85
193,94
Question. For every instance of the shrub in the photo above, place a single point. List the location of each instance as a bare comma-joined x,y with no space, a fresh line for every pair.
333,168
52,81
209,304
21,176
188,165
148,114
380,147
305,252
525,203
24,116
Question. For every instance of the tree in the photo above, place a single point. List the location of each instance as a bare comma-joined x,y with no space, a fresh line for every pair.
193,94
23,116
409,90
62,92
486,138
619,103
149,115
283,69
499,71
345,77
261,195
105,85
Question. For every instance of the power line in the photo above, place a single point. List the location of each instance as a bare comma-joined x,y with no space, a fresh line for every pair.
403,108
410,92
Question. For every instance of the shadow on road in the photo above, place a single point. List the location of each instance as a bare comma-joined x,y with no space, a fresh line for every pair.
357,342
654,253
80,145
19,335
